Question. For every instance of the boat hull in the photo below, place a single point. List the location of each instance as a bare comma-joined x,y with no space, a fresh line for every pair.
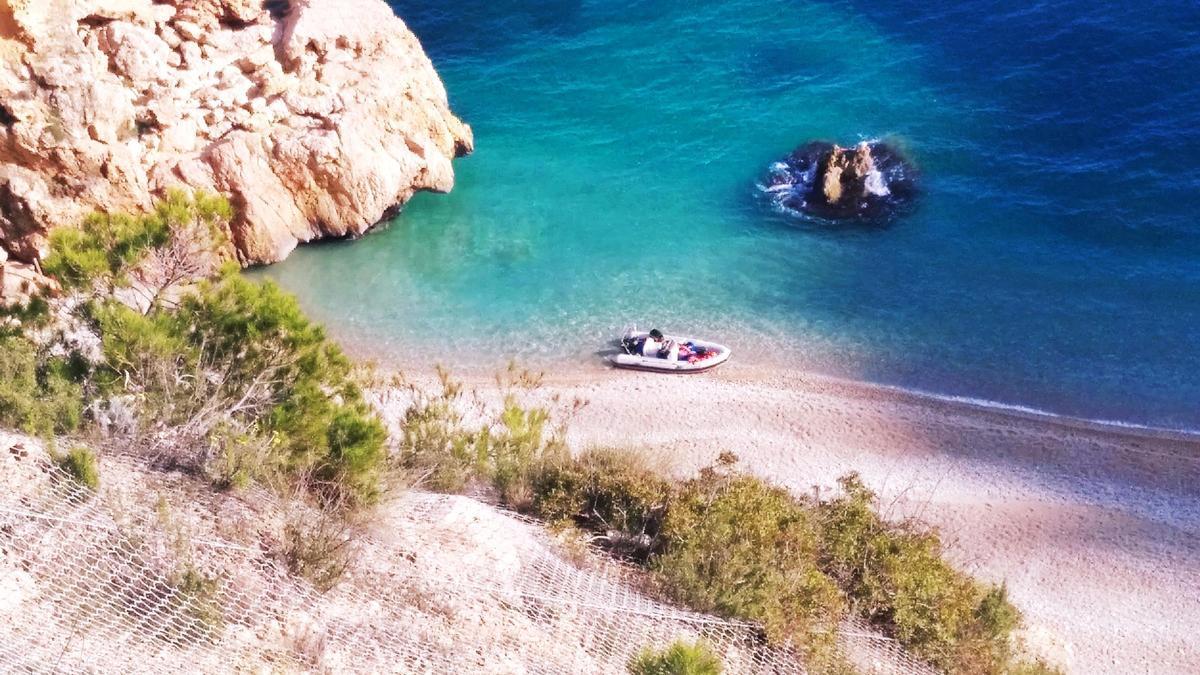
663,365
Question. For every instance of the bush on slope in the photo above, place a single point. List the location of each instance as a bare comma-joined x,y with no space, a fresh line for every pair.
737,546
226,375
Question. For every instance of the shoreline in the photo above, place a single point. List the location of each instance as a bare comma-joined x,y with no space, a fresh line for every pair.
1019,411
758,374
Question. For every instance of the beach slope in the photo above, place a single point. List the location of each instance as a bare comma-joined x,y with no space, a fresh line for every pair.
1094,528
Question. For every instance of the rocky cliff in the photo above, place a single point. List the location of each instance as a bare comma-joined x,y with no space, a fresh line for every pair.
316,117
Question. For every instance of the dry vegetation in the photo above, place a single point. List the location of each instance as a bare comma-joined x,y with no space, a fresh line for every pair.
729,543
680,658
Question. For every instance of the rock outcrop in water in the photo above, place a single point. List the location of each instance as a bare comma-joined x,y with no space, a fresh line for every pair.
869,182
316,117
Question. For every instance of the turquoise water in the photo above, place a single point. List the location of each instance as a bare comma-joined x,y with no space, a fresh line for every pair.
1053,260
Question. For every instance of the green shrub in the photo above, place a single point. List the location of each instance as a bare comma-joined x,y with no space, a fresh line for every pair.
197,598
107,246
38,396
610,492
148,352
436,449
518,450
230,361
354,438
739,547
80,463
319,548
1034,667
896,577
240,457
178,606
16,317
102,248
238,357
439,452
267,350
681,658
18,381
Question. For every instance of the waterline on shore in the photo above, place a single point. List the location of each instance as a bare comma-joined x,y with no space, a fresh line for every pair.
1038,413
751,370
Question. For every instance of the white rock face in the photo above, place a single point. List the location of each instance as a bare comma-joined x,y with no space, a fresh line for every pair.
316,117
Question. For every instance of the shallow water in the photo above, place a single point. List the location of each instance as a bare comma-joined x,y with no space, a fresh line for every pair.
1053,259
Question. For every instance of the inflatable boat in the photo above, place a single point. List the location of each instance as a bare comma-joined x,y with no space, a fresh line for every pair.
687,355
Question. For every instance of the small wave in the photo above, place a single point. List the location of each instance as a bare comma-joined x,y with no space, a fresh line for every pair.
1037,412
875,185
780,187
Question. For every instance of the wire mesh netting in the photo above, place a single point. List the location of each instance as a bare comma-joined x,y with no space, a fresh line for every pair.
442,584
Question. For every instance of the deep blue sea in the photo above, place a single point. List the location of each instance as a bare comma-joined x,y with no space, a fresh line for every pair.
1052,261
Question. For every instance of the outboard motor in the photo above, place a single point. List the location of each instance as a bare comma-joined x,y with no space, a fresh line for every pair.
629,343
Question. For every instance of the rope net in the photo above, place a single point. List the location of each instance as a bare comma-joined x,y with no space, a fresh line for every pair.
155,573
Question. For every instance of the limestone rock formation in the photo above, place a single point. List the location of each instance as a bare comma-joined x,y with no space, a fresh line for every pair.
869,182
844,173
316,117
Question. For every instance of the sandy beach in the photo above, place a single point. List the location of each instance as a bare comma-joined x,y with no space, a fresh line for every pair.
1094,528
